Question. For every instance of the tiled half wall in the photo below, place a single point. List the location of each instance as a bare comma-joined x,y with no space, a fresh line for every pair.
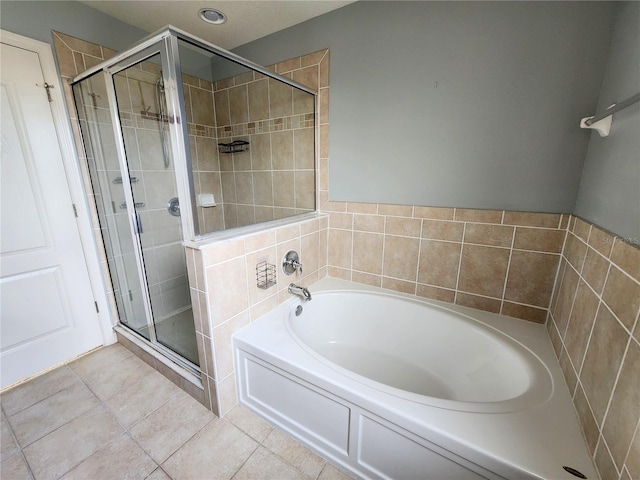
593,324
226,296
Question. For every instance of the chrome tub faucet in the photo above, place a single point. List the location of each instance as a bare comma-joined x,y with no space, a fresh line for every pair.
301,292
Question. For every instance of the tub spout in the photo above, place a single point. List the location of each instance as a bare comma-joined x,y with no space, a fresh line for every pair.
302,292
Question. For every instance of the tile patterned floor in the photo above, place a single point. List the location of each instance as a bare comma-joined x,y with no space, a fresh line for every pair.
108,415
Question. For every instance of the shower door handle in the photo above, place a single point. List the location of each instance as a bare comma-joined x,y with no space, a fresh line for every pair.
137,223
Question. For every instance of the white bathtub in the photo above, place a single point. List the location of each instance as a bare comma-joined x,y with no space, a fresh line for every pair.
390,386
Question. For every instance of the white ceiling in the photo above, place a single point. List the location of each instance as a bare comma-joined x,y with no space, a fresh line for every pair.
247,20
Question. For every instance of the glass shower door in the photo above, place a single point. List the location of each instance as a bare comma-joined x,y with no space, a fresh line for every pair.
137,203
141,109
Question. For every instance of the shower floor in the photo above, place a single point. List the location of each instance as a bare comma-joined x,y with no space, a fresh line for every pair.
178,333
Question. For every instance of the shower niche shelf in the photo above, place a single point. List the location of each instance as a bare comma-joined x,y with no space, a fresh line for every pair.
237,146
265,275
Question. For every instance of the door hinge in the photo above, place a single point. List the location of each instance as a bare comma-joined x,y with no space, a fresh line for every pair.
75,210
97,309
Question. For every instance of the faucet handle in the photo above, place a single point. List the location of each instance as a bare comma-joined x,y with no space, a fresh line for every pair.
291,263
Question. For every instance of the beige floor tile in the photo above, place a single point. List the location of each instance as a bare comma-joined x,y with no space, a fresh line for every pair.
216,452
33,391
296,454
170,426
121,459
116,376
329,472
44,417
136,401
158,474
61,450
249,423
265,465
99,359
8,445
15,468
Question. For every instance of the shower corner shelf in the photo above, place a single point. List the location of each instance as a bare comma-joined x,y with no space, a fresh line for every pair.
234,147
265,275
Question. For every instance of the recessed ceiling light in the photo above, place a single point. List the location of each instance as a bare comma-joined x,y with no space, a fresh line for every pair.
212,15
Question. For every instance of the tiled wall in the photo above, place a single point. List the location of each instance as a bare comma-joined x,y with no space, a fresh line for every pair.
275,177
499,261
594,328
226,297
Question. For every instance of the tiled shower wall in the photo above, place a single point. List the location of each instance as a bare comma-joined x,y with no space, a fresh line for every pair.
275,178
594,328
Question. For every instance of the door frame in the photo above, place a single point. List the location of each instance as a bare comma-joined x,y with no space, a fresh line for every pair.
73,174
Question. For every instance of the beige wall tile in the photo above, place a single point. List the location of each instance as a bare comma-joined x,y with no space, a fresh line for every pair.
633,458
570,375
303,152
323,146
367,279
524,312
401,257
531,278
622,295
368,208
438,230
367,252
493,235
258,99
221,102
530,219
581,229
624,411
481,303
439,263
395,210
433,213
227,288
581,323
589,426
238,105
223,251
261,152
280,99
282,143
539,239
288,65
601,241
201,104
605,464
368,223
575,251
483,270
79,45
308,77
406,227
627,258
480,216
323,106
566,294
222,343
595,270
284,194
602,361
324,71
340,248
435,293
341,220
399,285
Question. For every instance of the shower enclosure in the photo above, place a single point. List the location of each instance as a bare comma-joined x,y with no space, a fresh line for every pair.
183,140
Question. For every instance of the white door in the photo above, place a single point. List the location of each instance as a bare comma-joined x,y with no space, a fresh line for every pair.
47,310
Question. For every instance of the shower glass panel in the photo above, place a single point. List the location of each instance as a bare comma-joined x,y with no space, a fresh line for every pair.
252,142
141,105
160,273
108,188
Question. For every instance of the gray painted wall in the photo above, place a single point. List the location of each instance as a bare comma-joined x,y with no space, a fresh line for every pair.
609,193
500,131
36,19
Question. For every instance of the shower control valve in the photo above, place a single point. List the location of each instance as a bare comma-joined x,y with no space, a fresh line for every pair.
291,263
